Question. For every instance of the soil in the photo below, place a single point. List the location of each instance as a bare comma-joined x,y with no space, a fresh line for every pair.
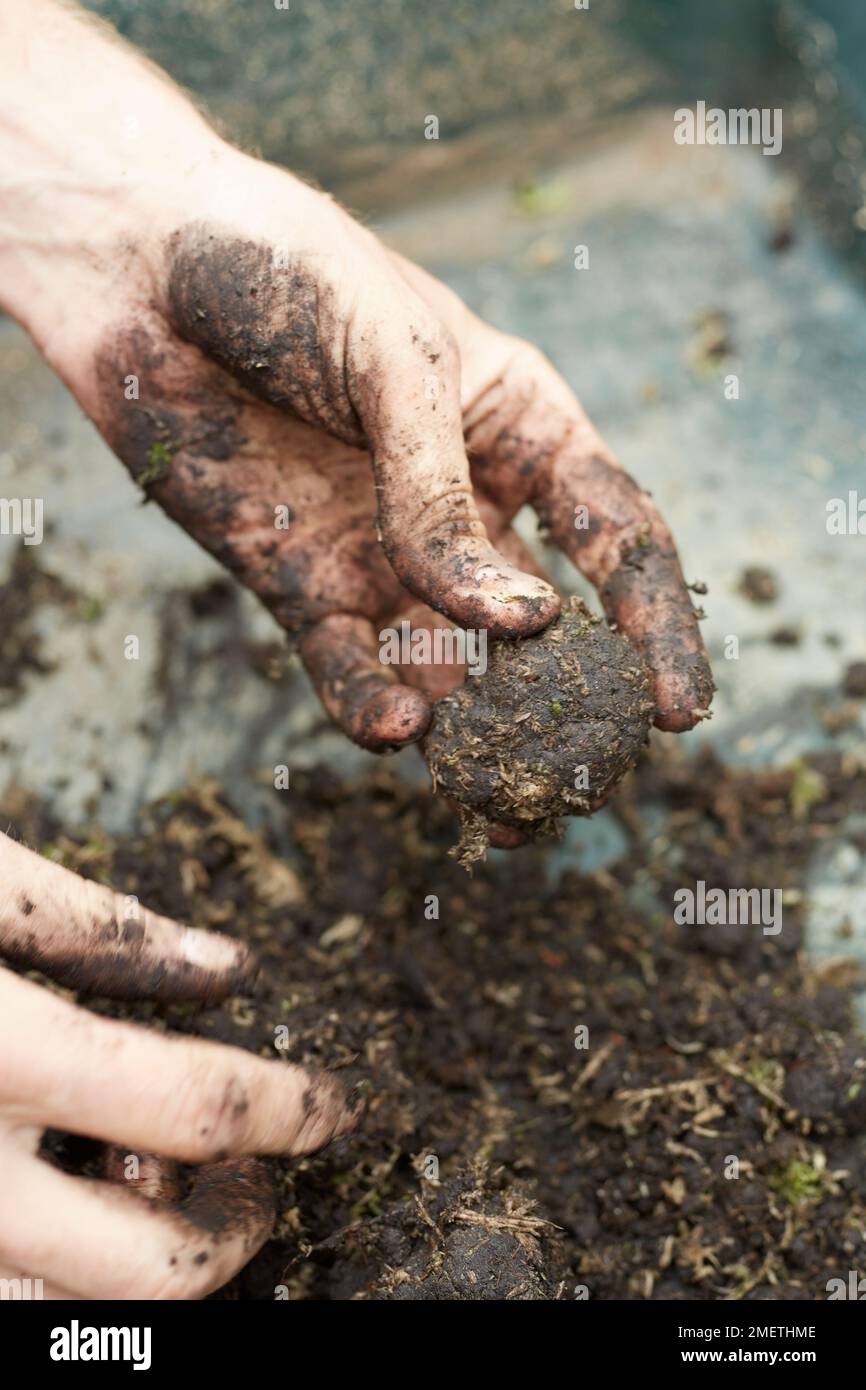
785,637
548,730
499,1157
26,591
759,585
854,681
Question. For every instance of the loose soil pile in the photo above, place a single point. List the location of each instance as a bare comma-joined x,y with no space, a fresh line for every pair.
563,1171
548,730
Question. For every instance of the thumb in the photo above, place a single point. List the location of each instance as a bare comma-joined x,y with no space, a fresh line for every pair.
410,407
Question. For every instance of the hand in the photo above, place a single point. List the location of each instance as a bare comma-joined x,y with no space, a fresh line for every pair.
280,350
148,1093
243,345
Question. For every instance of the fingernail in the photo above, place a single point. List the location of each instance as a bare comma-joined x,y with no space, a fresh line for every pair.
209,951
528,604
510,585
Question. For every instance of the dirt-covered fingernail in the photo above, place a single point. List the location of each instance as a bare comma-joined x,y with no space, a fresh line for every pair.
510,585
515,604
391,719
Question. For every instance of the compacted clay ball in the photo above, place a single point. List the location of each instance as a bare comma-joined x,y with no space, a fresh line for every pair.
555,721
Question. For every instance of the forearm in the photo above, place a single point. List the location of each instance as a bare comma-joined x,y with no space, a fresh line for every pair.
93,140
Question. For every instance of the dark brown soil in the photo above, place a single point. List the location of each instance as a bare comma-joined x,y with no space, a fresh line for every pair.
854,681
25,593
454,1002
759,585
548,730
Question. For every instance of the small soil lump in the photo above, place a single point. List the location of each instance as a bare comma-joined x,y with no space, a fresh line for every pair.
546,731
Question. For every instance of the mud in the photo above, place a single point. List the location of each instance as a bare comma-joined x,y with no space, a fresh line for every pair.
229,1198
273,323
469,1238
191,424
549,729
27,590
452,1002
854,680
759,585
125,977
183,411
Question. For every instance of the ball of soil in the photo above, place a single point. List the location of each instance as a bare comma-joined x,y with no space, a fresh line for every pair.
555,721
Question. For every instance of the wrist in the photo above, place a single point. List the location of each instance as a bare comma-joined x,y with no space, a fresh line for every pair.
72,247
91,174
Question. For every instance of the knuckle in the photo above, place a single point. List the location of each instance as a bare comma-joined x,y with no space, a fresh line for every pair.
431,332
436,348
527,372
528,360
448,348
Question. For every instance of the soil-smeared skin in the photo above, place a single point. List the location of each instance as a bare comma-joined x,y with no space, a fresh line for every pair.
548,730
702,1042
122,972
249,358
274,326
213,392
228,1198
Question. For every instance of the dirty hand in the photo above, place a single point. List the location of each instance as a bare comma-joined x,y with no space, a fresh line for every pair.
144,1093
253,354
